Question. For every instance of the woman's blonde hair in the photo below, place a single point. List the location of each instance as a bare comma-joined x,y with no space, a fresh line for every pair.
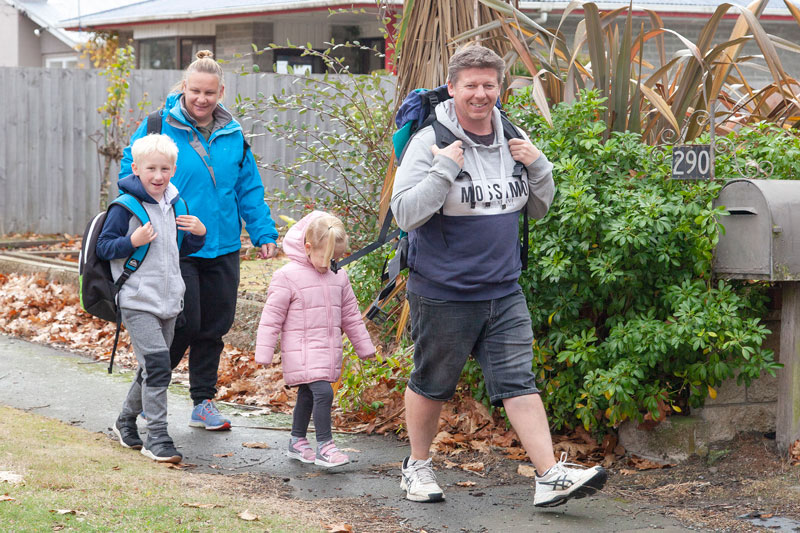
203,63
326,231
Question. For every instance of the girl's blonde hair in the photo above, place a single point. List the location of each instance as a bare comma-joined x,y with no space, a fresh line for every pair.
326,231
203,63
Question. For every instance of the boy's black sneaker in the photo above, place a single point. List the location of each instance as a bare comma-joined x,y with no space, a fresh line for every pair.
162,450
127,433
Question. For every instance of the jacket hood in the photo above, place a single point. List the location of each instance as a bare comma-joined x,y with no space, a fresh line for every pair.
132,185
446,115
222,117
295,240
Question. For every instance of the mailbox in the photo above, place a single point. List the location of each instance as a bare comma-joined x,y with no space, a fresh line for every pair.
762,233
762,242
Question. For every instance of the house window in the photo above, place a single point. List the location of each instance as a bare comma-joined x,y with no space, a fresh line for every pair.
300,64
172,52
191,45
158,53
61,62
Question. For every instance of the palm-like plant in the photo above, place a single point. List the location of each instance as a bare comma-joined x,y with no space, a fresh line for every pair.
676,93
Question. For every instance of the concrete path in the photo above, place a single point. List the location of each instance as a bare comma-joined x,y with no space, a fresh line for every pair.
76,390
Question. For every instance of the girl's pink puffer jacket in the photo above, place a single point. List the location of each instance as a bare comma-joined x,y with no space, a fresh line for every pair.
310,310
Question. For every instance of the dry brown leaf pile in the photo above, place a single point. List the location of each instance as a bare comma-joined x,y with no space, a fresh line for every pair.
36,310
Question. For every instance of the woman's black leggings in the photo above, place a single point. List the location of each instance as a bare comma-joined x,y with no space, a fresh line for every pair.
313,398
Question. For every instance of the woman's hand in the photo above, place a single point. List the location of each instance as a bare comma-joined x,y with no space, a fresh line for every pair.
268,251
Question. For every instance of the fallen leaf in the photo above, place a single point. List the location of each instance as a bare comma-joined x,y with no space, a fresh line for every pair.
526,470
6,498
465,483
229,454
258,412
645,464
516,453
69,511
339,528
201,505
262,445
247,515
473,467
350,450
58,527
10,477
626,471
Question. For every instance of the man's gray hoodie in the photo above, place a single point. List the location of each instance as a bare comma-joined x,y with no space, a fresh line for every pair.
458,252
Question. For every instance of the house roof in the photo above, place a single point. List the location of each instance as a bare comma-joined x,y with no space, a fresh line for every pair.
48,14
677,7
158,11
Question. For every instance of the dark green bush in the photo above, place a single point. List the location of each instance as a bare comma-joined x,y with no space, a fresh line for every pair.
627,317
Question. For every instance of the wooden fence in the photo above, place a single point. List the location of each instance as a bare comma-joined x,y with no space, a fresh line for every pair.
49,166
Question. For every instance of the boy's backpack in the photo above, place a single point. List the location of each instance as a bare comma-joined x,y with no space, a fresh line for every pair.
98,291
415,113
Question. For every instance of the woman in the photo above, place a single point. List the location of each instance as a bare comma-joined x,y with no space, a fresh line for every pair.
218,177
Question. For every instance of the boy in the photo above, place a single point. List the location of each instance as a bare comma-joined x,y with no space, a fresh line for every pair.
152,298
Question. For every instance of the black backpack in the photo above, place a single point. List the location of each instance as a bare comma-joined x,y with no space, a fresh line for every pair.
98,291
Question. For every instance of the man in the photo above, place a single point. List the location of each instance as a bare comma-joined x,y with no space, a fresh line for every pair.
461,205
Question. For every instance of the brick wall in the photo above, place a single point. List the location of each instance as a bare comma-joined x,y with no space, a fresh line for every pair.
234,45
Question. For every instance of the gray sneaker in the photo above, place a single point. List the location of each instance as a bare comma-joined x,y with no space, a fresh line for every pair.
127,433
419,482
567,480
161,450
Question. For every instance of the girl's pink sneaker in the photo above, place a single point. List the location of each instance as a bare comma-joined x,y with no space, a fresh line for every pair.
328,455
301,450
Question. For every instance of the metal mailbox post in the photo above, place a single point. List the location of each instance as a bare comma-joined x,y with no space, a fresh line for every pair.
762,242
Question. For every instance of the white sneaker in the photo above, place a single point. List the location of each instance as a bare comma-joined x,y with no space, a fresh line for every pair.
419,482
567,480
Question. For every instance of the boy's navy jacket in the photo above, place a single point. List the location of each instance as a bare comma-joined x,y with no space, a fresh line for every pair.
224,188
156,287
113,242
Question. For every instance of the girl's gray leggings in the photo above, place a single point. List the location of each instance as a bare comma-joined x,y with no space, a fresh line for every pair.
313,398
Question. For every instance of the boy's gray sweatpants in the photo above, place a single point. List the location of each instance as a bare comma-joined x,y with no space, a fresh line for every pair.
150,337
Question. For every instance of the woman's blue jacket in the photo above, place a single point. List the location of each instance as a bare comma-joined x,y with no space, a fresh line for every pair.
218,178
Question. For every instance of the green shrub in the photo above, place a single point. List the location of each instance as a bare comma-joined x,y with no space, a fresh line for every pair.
626,315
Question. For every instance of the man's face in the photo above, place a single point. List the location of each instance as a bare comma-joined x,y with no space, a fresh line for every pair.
475,93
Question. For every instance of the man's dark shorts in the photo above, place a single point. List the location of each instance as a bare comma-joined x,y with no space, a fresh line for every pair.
497,333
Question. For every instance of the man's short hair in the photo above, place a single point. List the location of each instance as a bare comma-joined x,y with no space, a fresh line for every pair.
475,56
154,143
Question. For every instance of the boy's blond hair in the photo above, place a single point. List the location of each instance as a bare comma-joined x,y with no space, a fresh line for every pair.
326,231
152,144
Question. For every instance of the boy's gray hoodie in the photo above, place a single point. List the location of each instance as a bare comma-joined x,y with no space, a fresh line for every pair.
157,286
456,251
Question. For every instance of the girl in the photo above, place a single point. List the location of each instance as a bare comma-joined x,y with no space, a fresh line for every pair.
310,306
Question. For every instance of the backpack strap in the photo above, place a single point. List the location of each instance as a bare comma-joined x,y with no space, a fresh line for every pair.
180,208
245,148
510,131
154,121
135,207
